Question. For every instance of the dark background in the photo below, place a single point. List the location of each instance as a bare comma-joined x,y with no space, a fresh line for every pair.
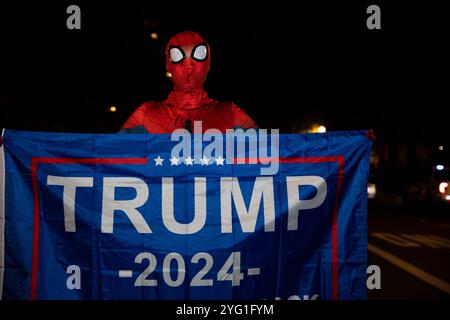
289,66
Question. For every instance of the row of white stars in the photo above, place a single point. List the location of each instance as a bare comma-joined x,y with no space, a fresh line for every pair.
174,161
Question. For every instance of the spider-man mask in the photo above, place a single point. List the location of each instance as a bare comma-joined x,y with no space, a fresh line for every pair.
188,59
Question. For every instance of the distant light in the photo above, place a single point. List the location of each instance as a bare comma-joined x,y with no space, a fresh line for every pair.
321,129
441,148
154,36
443,187
371,190
112,109
447,197
168,75
440,167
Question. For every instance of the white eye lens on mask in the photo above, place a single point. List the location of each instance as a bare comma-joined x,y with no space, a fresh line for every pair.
176,55
200,52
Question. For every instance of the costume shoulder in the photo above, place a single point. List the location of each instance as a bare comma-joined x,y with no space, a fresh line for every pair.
137,122
241,118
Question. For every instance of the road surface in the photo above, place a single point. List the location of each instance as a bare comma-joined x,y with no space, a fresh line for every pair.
412,251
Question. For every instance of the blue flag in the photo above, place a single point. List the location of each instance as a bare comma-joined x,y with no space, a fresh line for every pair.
142,216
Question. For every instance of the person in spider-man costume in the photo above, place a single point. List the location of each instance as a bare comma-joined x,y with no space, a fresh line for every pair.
188,59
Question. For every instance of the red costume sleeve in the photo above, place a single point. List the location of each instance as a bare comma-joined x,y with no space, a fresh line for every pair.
242,119
136,118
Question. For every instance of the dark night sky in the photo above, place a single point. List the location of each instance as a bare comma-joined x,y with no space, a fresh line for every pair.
286,66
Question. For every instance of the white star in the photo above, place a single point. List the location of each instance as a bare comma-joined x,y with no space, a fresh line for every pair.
189,161
158,161
204,161
174,161
219,161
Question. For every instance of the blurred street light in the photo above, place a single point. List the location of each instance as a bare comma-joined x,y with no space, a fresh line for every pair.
112,109
371,190
314,128
440,167
168,75
443,187
154,36
317,128
321,129
441,148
